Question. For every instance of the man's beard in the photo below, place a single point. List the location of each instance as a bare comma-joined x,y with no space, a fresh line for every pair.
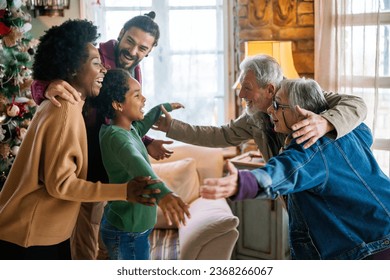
251,111
132,67
126,67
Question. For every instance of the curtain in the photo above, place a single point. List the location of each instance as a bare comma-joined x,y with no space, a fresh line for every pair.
352,57
88,9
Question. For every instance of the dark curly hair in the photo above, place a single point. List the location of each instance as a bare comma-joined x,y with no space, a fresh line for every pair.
63,49
146,23
115,86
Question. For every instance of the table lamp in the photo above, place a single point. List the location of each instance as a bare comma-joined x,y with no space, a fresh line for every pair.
280,50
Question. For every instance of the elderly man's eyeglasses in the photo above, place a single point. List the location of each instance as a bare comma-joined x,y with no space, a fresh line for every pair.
276,105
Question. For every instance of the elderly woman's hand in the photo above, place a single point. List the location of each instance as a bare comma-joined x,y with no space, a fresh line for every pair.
311,128
215,188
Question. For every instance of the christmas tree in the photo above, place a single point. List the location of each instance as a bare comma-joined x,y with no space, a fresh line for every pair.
16,58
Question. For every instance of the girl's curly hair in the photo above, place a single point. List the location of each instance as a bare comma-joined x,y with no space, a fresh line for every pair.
63,49
115,86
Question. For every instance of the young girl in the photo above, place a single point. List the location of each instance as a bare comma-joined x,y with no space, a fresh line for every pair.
125,227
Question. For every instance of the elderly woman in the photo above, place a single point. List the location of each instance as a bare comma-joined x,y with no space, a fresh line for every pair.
338,199
41,198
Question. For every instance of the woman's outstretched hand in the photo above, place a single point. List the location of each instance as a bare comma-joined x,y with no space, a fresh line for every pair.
215,188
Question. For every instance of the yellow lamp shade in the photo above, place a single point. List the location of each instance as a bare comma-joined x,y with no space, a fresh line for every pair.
280,50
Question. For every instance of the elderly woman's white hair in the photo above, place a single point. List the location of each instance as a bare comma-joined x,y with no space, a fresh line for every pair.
306,93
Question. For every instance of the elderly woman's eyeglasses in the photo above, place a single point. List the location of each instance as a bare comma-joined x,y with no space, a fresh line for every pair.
276,105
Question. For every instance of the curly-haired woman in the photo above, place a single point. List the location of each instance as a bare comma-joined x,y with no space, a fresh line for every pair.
41,198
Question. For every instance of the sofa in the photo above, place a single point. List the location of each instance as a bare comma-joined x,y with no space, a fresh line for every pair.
211,233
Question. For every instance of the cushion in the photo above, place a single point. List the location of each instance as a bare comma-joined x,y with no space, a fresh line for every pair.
210,219
209,161
182,178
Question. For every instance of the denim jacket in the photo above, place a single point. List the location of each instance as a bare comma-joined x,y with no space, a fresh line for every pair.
338,197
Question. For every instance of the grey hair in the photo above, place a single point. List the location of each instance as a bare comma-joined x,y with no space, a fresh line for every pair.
306,93
266,69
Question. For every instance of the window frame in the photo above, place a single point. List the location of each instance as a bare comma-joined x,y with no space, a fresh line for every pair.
380,145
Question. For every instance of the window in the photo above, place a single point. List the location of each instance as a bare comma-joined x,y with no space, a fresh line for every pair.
189,63
365,66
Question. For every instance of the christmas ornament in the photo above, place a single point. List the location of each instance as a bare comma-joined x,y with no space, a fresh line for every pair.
21,133
15,150
18,13
4,29
13,110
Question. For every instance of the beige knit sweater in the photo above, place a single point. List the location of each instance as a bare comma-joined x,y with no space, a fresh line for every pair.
41,198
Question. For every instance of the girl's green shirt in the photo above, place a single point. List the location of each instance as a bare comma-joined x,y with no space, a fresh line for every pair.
125,157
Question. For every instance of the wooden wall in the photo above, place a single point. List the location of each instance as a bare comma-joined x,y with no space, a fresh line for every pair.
283,20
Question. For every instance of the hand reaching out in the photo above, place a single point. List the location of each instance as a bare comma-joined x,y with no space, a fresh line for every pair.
176,105
312,128
215,188
157,151
164,122
174,209
63,89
